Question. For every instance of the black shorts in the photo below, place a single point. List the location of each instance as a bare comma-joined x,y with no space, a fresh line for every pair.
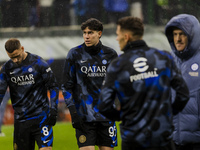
98,133
27,132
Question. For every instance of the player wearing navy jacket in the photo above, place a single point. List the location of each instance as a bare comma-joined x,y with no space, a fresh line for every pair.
142,79
29,77
84,72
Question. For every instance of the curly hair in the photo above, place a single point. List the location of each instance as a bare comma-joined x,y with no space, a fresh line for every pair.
92,24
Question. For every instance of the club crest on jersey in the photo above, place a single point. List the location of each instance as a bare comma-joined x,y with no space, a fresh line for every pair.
140,65
30,69
104,62
194,66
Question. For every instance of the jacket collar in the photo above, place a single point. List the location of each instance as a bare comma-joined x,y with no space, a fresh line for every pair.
93,50
135,45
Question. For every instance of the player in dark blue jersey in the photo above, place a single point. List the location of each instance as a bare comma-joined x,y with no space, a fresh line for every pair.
84,72
142,79
29,78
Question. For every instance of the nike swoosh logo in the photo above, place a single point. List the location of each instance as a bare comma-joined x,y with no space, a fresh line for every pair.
46,141
12,72
83,61
113,142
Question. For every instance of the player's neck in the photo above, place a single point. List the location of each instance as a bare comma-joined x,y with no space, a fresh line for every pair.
25,55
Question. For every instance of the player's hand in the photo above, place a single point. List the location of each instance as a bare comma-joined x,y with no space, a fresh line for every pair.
77,122
52,117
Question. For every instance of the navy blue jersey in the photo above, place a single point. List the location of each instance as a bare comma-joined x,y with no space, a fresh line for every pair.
28,84
142,78
83,75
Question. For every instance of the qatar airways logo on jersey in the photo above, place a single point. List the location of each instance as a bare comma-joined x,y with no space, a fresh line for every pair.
23,79
94,71
140,65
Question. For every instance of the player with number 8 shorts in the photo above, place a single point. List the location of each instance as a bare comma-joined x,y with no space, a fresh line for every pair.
29,78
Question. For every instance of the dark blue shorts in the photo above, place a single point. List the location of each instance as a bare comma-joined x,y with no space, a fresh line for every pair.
98,133
27,132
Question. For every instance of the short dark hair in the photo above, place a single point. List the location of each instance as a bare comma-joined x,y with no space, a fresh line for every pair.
92,24
133,24
12,44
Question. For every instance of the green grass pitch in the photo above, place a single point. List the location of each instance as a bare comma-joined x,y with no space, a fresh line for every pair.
64,137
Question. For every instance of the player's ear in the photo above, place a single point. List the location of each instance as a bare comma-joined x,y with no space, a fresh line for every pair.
22,47
126,37
99,33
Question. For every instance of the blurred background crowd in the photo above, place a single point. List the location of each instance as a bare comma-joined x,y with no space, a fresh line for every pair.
45,13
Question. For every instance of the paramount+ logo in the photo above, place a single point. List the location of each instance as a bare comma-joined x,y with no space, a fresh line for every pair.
141,66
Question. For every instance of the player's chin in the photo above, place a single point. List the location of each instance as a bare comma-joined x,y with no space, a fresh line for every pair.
18,63
88,44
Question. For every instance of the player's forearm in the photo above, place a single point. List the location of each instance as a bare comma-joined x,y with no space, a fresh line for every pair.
182,96
1,98
3,85
68,98
2,94
109,111
106,104
54,98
